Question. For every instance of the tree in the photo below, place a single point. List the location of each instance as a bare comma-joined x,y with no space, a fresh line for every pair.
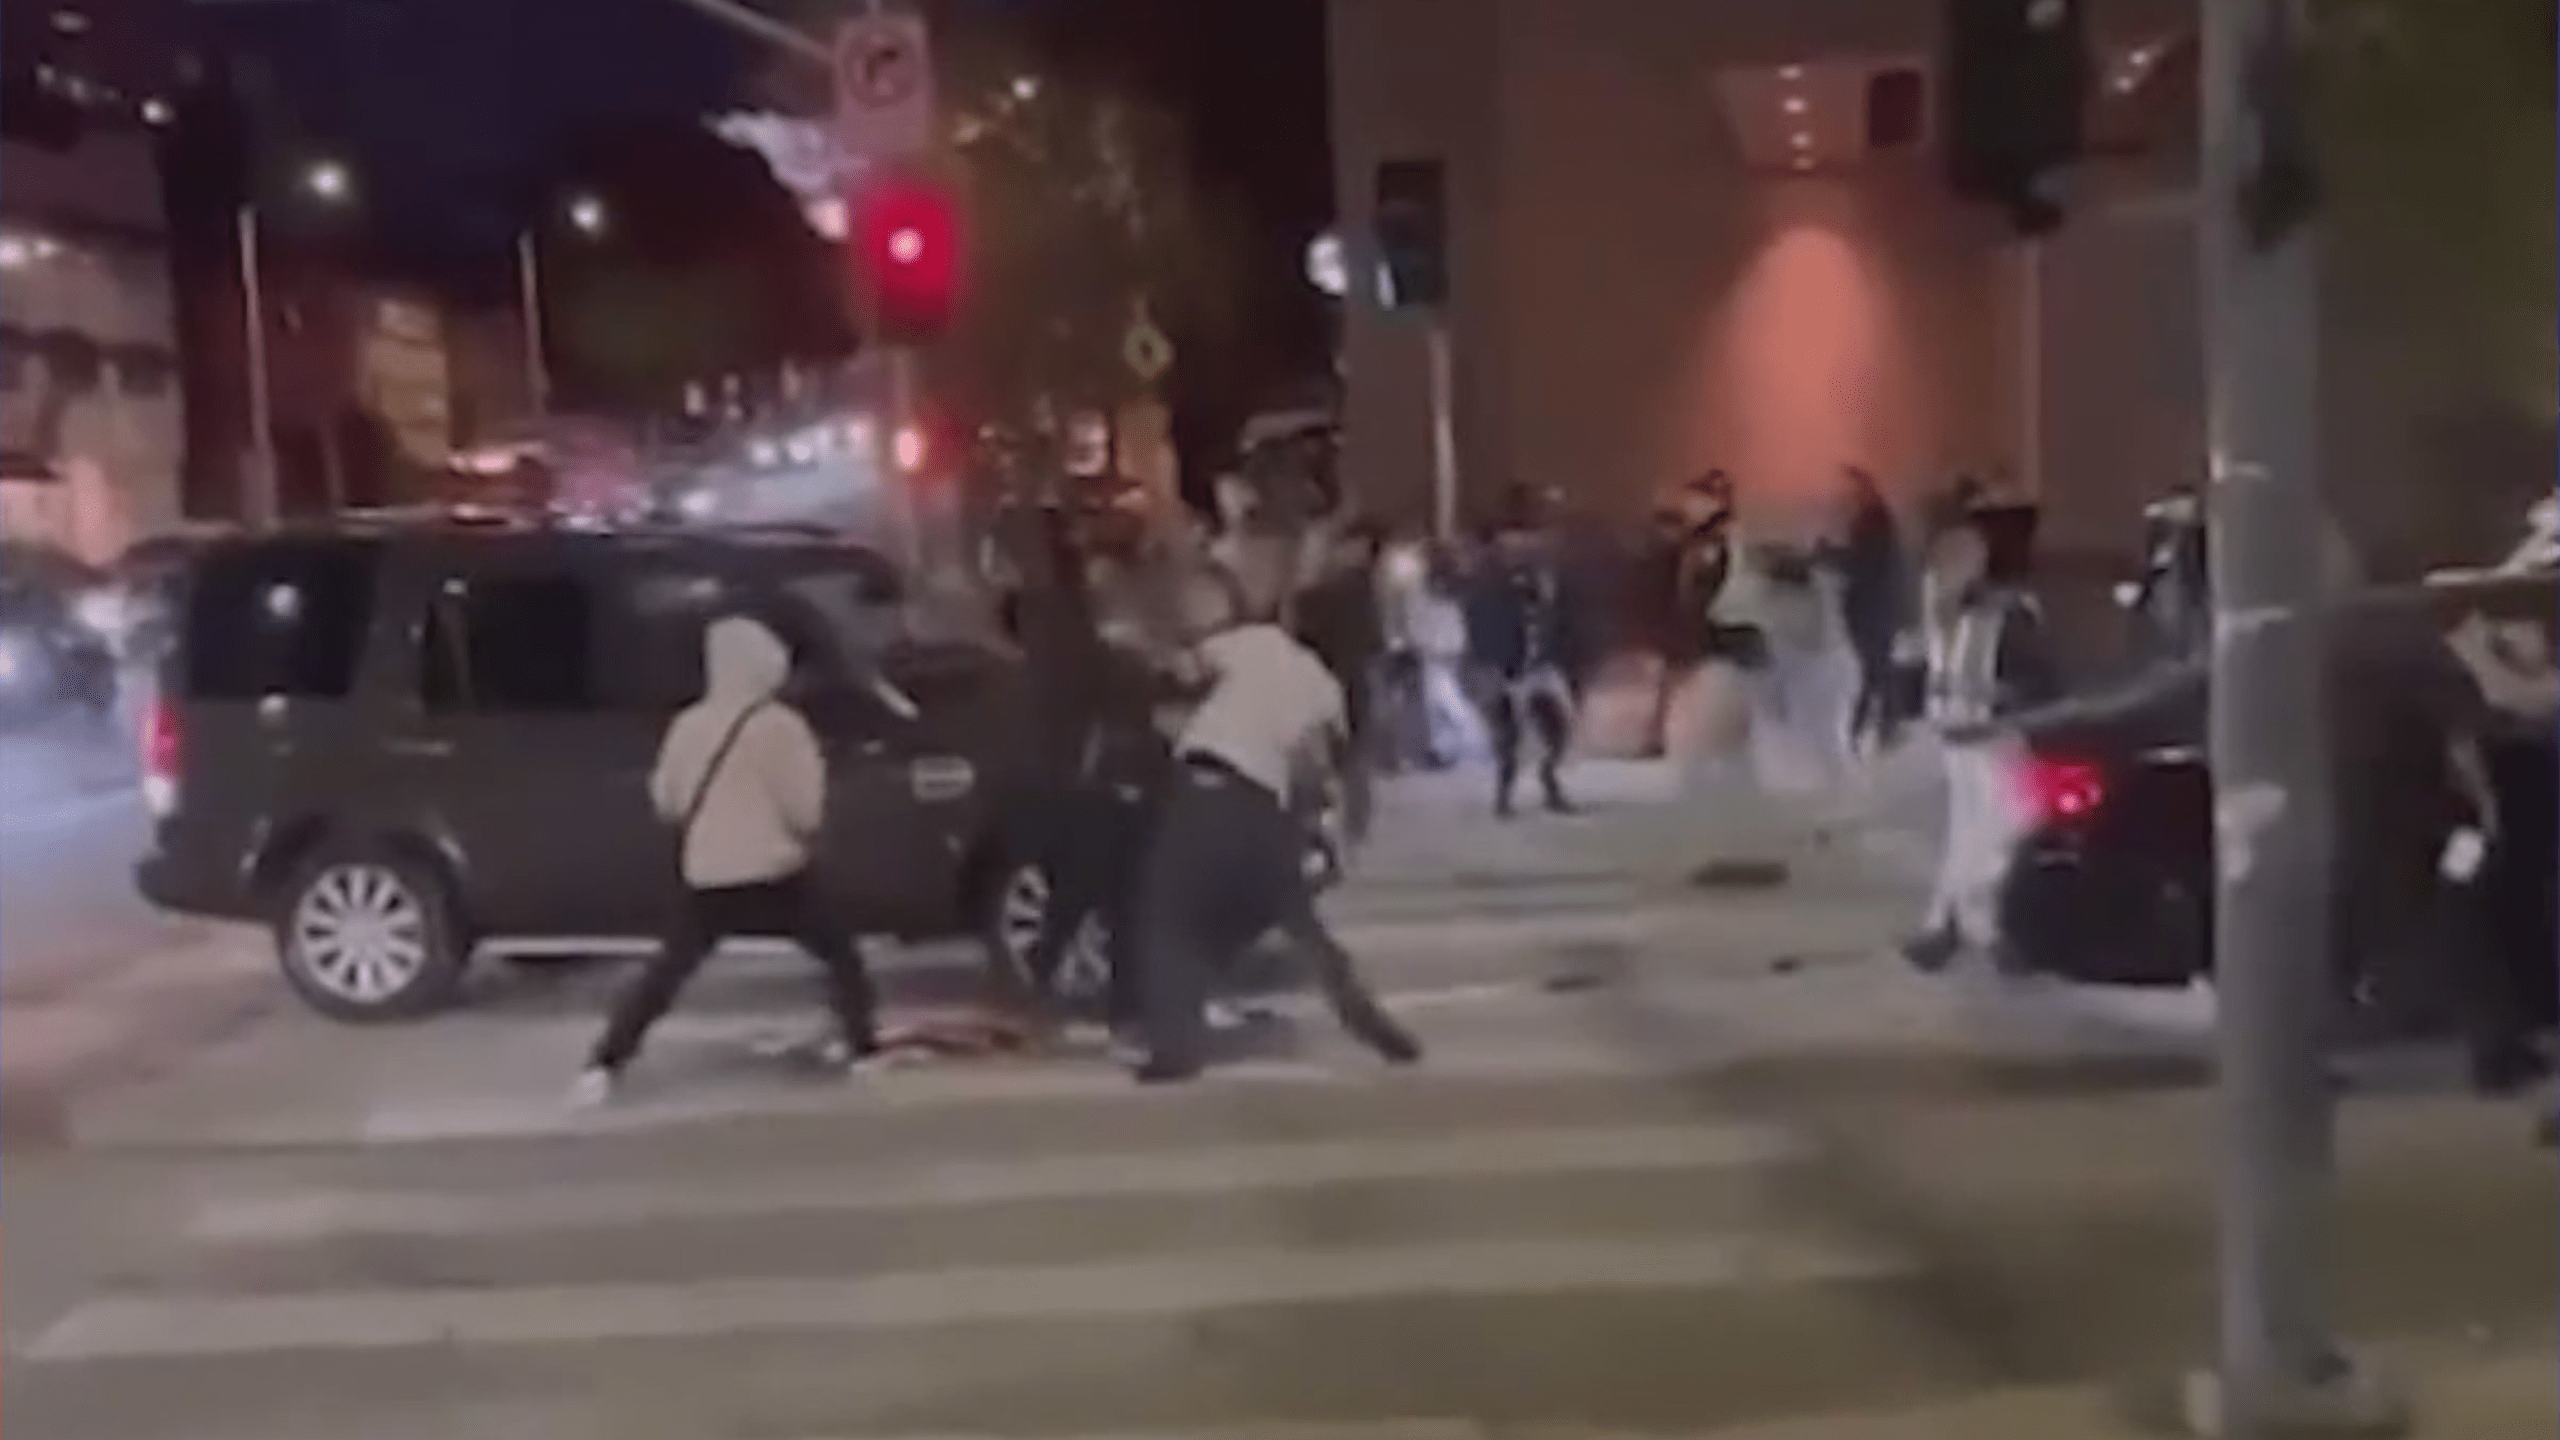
2439,149
2438,157
1083,216
1085,226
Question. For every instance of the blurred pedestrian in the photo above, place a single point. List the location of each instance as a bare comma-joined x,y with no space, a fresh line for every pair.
1875,603
1081,811
1989,659
740,778
1227,862
1525,630
1338,618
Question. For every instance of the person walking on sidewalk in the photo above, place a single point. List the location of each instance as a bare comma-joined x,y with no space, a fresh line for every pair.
1227,861
1525,627
1988,660
741,779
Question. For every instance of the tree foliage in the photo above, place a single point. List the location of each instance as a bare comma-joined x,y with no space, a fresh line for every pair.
1083,216
2438,147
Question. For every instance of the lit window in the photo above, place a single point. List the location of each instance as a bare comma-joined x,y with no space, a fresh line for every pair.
70,22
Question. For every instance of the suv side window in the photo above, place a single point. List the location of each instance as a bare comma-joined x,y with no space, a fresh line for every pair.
652,637
285,618
510,644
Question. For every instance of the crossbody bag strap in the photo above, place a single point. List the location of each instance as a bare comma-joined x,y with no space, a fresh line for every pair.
711,772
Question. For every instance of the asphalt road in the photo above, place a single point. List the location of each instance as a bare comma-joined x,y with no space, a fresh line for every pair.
1745,1170
71,823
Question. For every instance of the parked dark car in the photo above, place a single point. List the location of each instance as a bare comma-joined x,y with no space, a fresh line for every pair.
2113,881
53,660
407,744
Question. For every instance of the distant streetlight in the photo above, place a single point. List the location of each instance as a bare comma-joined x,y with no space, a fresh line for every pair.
328,180
588,216
333,184
1026,88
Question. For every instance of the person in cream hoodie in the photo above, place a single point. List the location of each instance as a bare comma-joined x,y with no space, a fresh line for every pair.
741,780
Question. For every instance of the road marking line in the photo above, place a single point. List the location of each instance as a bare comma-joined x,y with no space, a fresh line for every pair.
201,1326
1212,1171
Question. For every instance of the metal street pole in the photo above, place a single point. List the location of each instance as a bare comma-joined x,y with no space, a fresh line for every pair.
2280,1370
264,489
1444,431
764,27
537,365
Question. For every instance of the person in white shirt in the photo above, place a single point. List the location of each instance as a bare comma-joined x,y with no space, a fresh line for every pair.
1226,864
742,782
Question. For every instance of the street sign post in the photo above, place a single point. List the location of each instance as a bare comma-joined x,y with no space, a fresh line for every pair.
884,87
885,116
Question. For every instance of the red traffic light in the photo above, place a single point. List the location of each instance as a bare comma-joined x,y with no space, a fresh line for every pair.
904,235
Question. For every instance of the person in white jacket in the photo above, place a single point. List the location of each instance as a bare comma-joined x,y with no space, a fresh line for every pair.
741,780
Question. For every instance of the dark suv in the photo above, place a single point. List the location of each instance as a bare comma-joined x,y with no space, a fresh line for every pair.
403,744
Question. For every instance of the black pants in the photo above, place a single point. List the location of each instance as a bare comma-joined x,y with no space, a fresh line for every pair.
1092,842
1227,866
789,906
1515,712
1878,711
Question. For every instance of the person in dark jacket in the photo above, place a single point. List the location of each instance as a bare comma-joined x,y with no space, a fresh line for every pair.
1874,607
1524,632
1100,761
1339,618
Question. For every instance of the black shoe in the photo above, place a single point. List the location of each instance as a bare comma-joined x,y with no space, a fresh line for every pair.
1399,1049
1153,1071
1501,807
1932,951
1558,803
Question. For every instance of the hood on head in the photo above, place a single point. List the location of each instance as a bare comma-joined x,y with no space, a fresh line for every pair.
742,659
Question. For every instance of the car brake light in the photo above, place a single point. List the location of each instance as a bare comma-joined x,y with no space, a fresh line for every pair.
2062,789
160,757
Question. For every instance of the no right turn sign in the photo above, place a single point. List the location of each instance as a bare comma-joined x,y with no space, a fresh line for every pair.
884,87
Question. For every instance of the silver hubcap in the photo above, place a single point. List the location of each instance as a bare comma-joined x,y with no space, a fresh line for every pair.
359,933
1084,970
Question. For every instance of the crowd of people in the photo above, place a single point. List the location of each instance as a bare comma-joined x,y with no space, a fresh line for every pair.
1192,694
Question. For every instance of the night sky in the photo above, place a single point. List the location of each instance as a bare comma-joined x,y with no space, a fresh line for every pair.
460,113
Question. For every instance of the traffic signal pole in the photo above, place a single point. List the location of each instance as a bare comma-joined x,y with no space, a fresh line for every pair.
2279,1371
1444,428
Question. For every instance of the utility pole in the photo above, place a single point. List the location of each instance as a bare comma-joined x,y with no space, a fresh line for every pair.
749,21
537,363
2280,1371
1444,430
266,486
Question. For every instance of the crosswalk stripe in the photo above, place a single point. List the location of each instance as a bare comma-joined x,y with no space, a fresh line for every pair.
199,1326
1281,1166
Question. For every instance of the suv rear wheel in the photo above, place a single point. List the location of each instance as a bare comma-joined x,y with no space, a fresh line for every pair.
1018,905
368,936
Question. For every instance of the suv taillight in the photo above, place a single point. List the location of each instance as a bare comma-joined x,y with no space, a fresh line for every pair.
160,756
2062,790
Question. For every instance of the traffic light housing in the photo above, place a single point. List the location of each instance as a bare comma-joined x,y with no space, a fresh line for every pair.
1412,225
903,234
2014,86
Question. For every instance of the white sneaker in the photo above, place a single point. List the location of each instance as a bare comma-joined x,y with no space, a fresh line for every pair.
593,1087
